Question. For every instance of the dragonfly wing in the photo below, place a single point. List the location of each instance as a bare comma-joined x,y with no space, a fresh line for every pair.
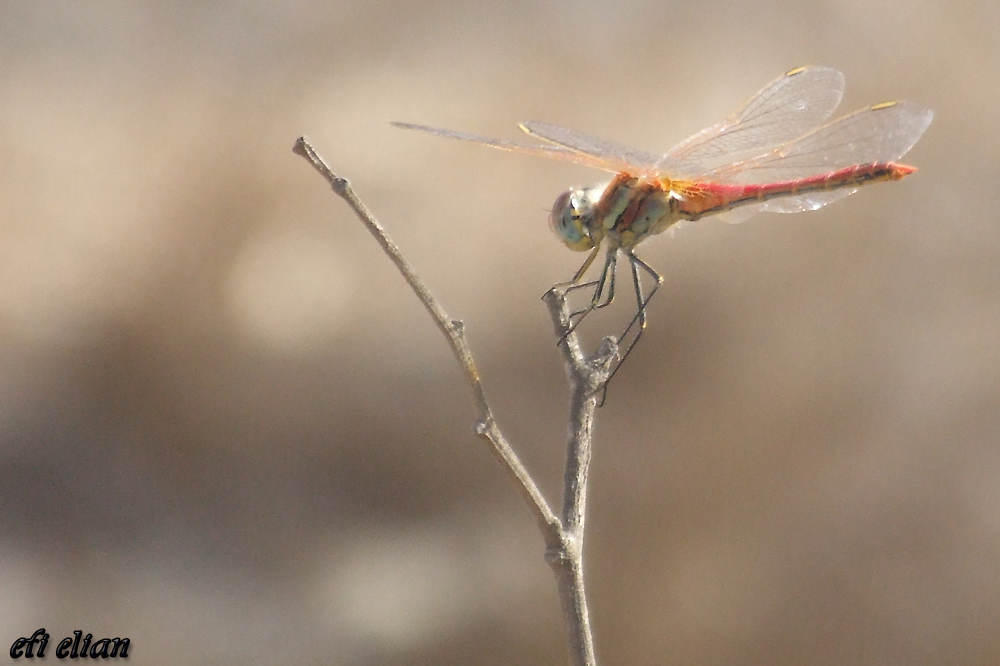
880,133
738,215
785,109
795,204
625,159
552,152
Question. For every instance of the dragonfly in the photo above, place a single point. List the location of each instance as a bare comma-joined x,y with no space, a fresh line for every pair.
777,153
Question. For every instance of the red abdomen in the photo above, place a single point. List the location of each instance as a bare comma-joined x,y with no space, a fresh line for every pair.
707,198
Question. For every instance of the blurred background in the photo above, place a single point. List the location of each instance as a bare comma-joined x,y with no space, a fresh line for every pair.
230,432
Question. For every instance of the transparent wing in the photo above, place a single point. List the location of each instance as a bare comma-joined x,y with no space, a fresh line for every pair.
880,133
554,152
623,158
785,109
797,204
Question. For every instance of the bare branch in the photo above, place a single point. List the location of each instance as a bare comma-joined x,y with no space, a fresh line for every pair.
453,330
587,377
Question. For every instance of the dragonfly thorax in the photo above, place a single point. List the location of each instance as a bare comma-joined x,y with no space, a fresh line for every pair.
572,217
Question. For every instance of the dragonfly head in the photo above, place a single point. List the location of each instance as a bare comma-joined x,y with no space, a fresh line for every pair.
572,218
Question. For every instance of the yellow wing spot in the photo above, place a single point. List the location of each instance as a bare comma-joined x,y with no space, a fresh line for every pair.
797,70
884,105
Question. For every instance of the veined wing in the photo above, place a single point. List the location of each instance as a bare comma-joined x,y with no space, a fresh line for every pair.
783,110
878,134
623,158
881,133
554,152
788,107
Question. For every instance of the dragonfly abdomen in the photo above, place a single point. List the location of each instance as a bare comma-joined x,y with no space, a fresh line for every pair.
710,198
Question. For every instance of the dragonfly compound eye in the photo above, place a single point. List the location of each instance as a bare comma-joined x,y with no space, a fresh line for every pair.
569,219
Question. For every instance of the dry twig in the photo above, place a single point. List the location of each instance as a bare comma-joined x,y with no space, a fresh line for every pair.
563,535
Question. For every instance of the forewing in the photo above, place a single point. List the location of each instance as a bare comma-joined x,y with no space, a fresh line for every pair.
783,110
552,152
623,158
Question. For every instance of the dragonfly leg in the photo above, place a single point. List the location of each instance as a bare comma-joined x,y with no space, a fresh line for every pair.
604,291
586,265
575,282
605,287
642,302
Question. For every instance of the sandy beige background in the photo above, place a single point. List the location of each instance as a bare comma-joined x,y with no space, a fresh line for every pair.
230,433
